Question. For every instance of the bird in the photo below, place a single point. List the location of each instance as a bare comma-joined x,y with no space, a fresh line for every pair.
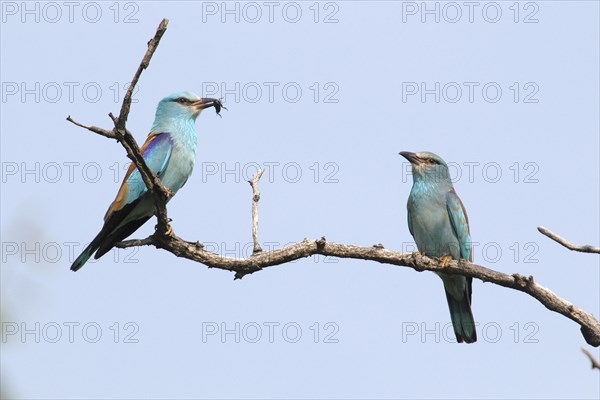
439,224
170,152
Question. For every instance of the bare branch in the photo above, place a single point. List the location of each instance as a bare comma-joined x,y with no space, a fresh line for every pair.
590,326
595,363
255,198
566,243
152,45
95,129
159,192
149,241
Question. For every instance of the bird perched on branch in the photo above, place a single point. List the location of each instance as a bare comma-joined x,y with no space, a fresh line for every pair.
170,152
438,222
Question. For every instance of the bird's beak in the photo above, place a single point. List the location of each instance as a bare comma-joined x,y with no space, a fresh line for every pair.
412,157
205,103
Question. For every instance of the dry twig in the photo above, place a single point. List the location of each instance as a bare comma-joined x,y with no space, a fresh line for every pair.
595,363
255,198
566,243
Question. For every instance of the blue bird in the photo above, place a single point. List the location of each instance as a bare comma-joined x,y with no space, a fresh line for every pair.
438,222
170,152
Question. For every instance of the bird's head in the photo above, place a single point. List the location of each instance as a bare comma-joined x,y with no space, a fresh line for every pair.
427,166
184,105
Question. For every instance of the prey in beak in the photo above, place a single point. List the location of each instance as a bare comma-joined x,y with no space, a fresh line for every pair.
207,103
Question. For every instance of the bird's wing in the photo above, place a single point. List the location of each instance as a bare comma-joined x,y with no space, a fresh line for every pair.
157,152
408,216
460,223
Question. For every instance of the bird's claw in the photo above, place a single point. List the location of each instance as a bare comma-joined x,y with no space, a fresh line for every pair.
445,261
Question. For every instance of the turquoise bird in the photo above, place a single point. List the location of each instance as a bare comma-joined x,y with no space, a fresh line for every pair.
170,152
438,222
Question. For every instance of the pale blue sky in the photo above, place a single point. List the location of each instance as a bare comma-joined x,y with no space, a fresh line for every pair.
362,68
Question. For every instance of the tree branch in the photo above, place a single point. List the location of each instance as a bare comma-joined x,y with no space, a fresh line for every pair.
566,243
95,129
595,363
152,45
158,191
590,327
149,241
255,198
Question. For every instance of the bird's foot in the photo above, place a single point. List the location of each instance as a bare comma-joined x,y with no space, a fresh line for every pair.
417,254
445,261
169,231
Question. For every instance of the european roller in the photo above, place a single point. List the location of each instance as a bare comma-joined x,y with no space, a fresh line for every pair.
438,222
170,152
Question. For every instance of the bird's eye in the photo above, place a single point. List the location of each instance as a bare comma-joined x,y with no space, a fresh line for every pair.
182,100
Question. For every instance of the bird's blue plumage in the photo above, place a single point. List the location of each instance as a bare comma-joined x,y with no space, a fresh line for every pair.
439,224
460,224
170,152
157,156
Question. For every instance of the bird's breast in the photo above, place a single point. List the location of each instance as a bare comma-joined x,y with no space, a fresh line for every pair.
179,168
431,225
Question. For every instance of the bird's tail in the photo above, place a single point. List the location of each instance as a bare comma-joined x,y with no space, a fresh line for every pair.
462,318
87,253
85,256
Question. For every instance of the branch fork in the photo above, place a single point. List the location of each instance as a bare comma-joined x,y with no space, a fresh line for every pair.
119,132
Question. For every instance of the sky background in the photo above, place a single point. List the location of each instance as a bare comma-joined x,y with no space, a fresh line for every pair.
325,98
